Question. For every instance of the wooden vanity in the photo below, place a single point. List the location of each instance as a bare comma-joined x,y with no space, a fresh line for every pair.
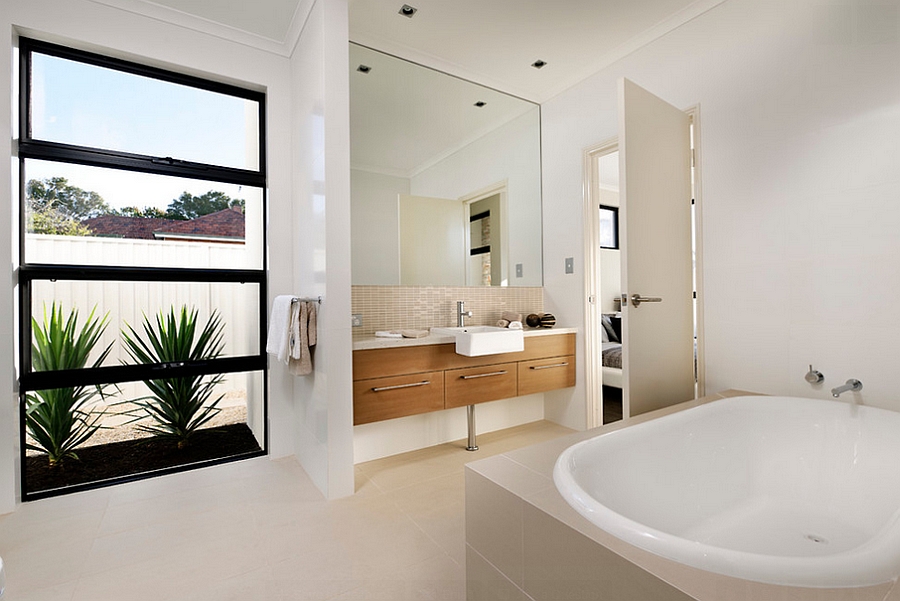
393,382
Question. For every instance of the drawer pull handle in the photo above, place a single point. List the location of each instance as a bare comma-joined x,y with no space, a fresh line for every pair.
563,364
399,386
487,375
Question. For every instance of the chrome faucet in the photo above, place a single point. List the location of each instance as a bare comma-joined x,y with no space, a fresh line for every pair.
850,386
461,313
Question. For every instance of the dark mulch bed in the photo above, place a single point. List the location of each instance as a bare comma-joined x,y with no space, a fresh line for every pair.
130,457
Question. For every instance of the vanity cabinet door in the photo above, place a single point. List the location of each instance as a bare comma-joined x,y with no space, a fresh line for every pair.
479,384
376,399
546,374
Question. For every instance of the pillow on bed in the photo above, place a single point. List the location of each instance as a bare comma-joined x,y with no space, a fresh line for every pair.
604,334
607,326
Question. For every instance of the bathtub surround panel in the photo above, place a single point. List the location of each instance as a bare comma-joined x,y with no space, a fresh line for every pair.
562,551
423,307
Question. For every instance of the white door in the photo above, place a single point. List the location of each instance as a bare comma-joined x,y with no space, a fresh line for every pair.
432,241
655,212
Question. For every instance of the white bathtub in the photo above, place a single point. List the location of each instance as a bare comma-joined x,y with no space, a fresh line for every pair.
780,490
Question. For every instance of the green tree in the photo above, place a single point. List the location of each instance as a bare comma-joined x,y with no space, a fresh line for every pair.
69,201
145,213
51,221
188,206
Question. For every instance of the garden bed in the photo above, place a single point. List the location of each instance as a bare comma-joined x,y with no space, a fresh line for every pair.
131,457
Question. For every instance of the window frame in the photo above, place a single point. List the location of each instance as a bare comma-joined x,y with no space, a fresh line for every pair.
30,148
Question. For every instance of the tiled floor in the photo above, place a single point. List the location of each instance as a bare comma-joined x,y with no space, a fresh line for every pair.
256,530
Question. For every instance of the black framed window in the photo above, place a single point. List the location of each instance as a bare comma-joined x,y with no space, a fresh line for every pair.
609,227
142,277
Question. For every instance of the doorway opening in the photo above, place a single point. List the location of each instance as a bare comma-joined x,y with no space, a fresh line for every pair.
604,368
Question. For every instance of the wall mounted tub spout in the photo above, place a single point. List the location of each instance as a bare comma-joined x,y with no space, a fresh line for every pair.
850,386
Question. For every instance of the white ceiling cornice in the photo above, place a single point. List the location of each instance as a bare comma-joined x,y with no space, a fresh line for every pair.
172,16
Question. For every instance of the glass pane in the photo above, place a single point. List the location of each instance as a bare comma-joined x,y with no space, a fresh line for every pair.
124,304
86,105
119,437
82,215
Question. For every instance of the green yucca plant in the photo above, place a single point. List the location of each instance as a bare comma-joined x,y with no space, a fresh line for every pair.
60,419
178,406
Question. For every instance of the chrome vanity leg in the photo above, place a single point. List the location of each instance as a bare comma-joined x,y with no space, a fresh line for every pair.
470,409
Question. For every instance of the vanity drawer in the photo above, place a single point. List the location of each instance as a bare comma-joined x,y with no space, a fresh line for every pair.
546,374
386,398
479,384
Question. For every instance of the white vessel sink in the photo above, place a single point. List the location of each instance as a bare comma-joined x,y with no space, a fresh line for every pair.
475,341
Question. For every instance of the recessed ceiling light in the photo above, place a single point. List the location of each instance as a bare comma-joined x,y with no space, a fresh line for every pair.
480,103
408,11
364,68
538,64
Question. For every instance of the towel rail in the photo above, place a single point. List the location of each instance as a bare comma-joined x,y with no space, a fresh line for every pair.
317,299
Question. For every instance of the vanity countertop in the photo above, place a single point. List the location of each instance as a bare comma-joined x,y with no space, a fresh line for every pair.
374,343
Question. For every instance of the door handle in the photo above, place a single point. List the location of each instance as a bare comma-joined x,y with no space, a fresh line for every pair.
637,299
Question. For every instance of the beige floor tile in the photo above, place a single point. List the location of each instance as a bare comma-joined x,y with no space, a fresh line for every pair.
60,592
255,529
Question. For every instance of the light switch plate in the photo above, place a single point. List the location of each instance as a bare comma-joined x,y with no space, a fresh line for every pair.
518,270
570,264
356,320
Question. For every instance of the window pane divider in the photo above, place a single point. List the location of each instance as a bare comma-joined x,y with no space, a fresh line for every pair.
28,273
116,374
100,157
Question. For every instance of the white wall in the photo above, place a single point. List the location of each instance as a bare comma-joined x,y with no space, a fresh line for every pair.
375,227
393,436
800,147
323,430
475,167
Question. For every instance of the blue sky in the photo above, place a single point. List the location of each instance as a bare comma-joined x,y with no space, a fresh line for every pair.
74,103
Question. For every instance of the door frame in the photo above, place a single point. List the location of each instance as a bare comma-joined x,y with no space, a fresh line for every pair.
592,311
473,197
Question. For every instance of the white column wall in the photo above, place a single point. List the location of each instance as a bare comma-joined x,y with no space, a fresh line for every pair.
319,232
800,143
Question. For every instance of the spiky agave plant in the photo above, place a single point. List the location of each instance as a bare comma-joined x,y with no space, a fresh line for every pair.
60,419
177,406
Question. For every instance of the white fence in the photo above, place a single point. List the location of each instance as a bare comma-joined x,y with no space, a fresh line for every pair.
127,302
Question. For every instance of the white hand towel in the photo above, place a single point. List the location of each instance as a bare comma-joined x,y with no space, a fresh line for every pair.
278,340
515,325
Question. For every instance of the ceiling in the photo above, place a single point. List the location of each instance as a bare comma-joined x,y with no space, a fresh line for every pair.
492,42
405,117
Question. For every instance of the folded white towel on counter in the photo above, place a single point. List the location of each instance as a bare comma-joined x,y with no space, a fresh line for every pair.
278,341
388,334
503,323
515,325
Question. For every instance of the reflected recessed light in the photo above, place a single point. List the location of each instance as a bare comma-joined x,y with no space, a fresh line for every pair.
538,64
480,103
408,11
364,68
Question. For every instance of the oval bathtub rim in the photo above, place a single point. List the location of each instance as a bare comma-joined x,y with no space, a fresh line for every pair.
832,571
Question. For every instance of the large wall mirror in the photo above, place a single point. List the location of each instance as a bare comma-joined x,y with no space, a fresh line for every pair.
445,179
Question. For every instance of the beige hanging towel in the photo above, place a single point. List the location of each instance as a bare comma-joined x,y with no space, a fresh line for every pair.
303,336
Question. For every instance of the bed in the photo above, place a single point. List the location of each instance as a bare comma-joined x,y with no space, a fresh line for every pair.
612,351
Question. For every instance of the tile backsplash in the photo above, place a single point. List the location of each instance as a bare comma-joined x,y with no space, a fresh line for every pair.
423,307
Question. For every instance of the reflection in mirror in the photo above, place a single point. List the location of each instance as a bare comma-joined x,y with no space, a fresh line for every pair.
445,179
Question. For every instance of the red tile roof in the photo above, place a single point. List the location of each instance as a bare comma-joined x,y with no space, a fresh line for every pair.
227,225
117,226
